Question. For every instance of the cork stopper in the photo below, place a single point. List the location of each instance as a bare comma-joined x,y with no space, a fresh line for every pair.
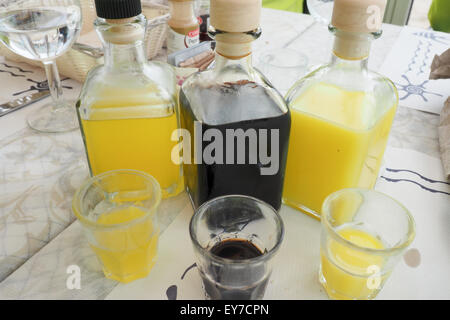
235,15
124,33
235,19
358,15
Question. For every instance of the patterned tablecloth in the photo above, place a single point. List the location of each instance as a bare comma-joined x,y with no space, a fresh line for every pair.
39,173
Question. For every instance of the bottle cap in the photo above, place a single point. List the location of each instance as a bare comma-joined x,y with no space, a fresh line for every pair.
358,15
118,9
235,15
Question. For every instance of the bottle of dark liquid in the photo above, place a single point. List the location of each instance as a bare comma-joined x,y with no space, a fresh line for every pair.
238,123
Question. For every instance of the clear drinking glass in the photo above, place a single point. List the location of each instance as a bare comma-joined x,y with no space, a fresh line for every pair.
364,234
283,67
43,30
235,239
117,210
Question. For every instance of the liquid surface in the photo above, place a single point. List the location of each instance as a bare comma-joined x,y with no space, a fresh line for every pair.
127,253
232,102
223,282
236,249
133,133
40,34
338,139
237,109
345,271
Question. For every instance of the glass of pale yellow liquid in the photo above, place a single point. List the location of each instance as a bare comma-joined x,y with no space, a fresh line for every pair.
118,212
364,234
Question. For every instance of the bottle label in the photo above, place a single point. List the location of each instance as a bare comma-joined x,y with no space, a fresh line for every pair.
177,41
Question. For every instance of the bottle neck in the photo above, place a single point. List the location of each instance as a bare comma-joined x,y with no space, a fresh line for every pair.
355,65
351,46
244,63
182,14
233,51
125,56
123,42
234,45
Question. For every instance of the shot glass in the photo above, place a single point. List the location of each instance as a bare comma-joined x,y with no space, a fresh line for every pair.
117,210
235,239
364,234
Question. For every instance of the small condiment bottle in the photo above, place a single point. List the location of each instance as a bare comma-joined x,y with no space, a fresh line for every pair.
203,19
184,29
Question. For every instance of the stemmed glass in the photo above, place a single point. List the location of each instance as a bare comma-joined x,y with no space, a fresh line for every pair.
321,10
43,30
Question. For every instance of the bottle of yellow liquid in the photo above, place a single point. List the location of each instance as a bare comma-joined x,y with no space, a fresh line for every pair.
341,114
128,106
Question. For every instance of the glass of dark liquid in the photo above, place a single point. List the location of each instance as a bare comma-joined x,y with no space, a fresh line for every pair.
235,239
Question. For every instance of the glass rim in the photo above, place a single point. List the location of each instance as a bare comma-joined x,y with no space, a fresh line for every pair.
91,180
304,57
264,256
398,248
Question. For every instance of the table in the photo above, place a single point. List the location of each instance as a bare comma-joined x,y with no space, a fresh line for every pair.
43,271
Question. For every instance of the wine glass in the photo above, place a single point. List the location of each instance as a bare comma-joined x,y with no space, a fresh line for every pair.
321,10
43,30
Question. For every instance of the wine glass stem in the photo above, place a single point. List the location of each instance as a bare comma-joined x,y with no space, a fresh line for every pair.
54,82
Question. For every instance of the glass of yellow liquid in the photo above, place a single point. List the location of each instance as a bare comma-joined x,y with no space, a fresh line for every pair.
117,210
364,234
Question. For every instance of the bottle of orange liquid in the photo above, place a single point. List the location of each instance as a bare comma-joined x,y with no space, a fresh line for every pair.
341,113
128,107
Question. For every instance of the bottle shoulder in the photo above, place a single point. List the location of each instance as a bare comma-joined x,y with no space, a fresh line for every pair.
368,82
228,75
355,100
222,96
149,92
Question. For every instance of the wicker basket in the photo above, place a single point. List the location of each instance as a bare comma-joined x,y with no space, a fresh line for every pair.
155,37
76,63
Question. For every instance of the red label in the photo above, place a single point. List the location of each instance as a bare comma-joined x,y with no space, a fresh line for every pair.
194,33
200,20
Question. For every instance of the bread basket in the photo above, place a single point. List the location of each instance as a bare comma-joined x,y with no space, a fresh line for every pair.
77,61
